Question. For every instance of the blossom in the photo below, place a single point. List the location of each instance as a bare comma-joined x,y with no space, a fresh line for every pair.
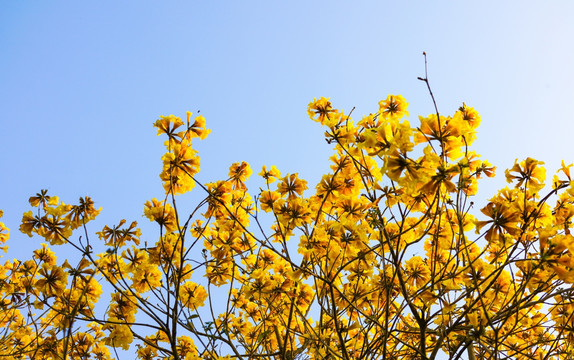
319,110
393,107
292,186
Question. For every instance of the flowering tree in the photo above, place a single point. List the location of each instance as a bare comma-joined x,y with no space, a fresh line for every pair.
335,276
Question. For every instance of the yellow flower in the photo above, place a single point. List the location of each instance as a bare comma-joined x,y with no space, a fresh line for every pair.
238,174
292,186
442,177
199,229
319,110
186,349
45,255
395,164
470,115
270,175
267,199
30,223
82,213
485,168
135,258
162,213
197,129
417,271
168,125
504,219
118,237
43,199
393,107
146,278
91,289
53,280
192,295
54,227
120,336
147,352
566,170
123,307
180,164
113,267
529,172
219,272
219,197
4,231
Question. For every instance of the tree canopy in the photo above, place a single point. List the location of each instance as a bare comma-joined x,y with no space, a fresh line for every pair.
386,257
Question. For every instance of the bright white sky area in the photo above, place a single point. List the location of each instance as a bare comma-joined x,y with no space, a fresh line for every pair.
82,82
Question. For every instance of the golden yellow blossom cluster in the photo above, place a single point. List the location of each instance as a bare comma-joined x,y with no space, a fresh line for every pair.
181,162
382,259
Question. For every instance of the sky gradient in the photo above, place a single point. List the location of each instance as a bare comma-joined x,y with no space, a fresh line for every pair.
82,83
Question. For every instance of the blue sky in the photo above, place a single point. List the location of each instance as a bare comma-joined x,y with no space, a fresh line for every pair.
82,83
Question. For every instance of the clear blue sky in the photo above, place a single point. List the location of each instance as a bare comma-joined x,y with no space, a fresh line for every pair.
82,82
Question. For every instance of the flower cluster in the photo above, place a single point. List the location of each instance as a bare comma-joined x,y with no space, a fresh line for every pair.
382,258
180,162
